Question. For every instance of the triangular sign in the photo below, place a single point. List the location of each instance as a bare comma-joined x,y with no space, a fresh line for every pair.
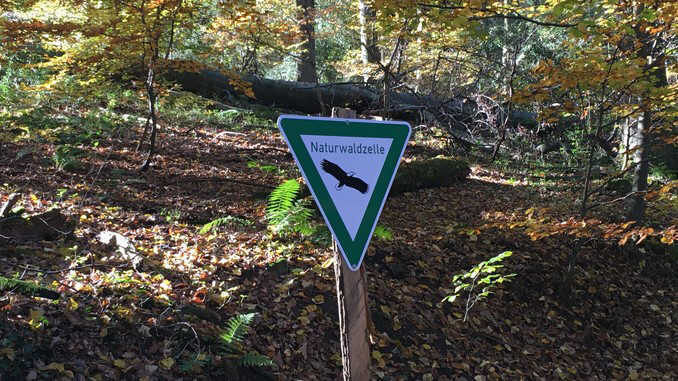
349,165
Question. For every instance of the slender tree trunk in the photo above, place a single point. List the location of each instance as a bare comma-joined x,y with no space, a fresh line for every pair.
434,76
505,51
369,53
624,154
171,40
151,96
306,68
642,141
509,58
641,146
420,30
147,125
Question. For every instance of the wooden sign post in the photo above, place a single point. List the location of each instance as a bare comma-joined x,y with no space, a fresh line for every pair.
352,306
353,310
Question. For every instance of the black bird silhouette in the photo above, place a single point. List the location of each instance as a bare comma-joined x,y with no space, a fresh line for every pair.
343,177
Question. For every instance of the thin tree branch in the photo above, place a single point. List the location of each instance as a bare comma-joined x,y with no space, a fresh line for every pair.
513,16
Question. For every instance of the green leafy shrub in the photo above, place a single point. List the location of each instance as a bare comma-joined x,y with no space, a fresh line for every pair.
479,281
619,186
187,109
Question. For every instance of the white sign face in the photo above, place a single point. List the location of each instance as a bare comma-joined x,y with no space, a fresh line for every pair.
349,167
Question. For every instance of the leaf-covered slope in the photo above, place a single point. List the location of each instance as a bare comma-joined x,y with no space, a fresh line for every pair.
164,320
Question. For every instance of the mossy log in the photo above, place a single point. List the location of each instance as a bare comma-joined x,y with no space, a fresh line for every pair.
429,173
26,288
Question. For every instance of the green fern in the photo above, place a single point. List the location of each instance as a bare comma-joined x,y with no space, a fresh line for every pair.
285,214
296,219
232,337
236,328
214,224
281,200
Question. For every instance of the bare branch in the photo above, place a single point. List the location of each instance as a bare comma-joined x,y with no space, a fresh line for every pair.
493,14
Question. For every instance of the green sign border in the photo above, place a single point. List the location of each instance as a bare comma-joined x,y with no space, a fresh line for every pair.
293,126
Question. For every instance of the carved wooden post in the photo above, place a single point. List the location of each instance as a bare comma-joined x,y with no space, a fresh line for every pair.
352,303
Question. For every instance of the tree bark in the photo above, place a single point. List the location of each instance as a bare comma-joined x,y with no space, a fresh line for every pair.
653,47
151,97
369,52
453,114
306,67
310,97
640,145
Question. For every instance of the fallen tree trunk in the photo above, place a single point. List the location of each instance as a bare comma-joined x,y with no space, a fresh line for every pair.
311,98
457,115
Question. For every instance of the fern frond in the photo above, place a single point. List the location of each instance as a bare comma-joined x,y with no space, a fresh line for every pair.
236,328
210,226
253,359
281,200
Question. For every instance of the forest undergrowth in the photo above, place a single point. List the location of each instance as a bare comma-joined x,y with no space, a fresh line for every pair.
161,318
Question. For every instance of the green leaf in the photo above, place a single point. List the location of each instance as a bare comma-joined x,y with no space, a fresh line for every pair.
383,233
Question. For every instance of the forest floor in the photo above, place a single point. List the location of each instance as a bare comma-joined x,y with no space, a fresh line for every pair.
162,320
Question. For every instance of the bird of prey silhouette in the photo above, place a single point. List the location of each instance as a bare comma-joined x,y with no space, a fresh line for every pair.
343,177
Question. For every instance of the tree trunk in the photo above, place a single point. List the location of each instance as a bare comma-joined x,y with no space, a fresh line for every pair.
640,144
306,68
303,96
420,30
310,98
151,96
369,53
624,154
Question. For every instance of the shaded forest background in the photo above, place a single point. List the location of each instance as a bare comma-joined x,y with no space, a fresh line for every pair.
153,224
